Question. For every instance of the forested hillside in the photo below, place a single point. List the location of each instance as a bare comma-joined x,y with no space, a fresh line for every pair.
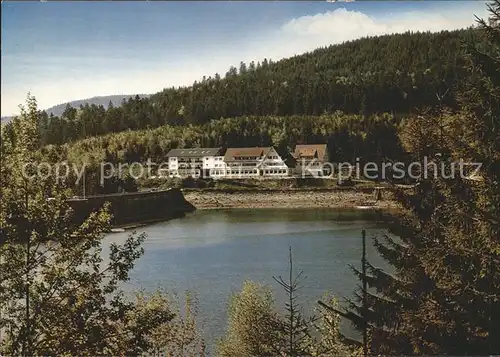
372,138
394,74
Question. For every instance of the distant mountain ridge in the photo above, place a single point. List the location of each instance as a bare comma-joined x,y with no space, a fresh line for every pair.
57,110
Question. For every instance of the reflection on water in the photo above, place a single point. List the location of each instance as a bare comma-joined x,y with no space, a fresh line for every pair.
212,252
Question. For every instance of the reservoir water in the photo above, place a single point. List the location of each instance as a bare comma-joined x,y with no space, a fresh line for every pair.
213,252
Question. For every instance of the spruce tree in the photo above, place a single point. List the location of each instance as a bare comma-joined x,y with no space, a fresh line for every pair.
443,295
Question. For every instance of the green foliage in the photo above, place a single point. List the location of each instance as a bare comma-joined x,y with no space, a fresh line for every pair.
330,341
57,294
179,337
443,297
373,138
256,328
252,325
348,135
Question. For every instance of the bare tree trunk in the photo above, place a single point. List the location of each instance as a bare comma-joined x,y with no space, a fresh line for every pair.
363,267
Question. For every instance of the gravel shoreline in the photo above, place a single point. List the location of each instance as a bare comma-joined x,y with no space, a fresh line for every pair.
287,199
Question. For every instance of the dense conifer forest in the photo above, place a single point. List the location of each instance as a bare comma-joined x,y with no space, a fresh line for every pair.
395,74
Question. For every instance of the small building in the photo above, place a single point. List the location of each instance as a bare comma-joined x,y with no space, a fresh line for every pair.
312,160
196,162
254,162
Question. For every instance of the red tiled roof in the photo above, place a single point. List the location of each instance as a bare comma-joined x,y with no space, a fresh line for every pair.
310,150
307,152
255,151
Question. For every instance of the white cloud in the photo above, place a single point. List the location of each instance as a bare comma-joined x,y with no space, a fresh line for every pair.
296,36
342,24
309,32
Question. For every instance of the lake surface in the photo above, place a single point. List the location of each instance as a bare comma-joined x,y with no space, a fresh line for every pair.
213,252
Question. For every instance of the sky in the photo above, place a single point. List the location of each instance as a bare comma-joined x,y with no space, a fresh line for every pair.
64,51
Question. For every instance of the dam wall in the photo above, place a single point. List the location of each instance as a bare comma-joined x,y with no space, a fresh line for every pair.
136,207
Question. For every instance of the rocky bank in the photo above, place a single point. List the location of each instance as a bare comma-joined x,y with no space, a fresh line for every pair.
213,199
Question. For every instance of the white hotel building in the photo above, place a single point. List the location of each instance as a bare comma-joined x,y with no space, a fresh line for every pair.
197,162
256,162
249,162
